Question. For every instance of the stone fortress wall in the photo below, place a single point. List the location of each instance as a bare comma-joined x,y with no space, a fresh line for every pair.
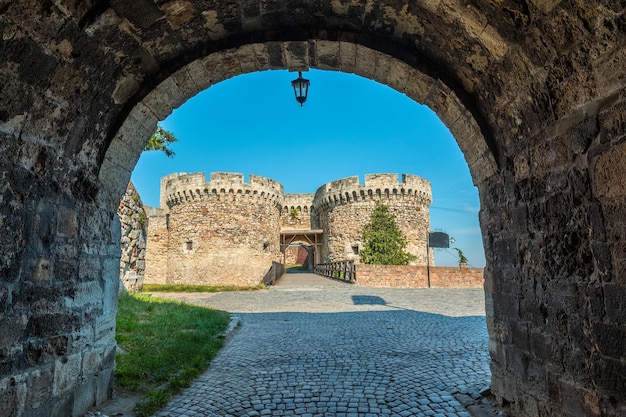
224,231
227,231
133,221
297,212
343,206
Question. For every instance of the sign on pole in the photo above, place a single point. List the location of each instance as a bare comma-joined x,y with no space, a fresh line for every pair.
438,240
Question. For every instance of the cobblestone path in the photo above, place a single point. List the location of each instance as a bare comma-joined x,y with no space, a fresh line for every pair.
343,350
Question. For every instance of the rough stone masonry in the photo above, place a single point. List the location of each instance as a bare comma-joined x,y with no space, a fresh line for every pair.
532,90
228,232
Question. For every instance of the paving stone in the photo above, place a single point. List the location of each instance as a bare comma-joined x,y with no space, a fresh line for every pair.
314,352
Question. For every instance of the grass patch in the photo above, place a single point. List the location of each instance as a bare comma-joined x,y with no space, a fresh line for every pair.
297,267
197,288
167,344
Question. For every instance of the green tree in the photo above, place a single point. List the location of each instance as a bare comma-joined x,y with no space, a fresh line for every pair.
384,243
160,140
462,257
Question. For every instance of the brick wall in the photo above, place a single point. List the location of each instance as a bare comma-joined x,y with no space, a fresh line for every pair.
296,255
410,276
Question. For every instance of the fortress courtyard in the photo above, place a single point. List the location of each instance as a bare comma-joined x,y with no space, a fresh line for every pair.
310,346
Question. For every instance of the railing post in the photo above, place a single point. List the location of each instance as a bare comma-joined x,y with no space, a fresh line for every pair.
343,270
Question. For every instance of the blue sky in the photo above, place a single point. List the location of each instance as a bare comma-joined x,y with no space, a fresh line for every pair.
349,126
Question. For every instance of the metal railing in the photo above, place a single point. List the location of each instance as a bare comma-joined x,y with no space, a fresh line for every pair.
341,270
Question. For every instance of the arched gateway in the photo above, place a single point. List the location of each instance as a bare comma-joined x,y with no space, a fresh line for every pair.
533,91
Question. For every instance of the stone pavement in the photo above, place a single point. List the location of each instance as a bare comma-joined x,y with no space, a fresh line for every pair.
335,349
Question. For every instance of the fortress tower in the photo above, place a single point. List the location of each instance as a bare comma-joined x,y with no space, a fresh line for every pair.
228,232
344,206
224,231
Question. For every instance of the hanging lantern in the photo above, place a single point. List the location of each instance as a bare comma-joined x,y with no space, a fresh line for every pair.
300,88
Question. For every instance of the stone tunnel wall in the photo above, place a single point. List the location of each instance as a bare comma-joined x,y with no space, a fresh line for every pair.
344,206
556,224
58,300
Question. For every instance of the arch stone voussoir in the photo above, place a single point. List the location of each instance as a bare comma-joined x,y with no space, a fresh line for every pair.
327,54
163,99
366,60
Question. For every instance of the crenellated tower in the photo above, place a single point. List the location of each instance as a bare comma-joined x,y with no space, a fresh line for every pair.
224,231
344,206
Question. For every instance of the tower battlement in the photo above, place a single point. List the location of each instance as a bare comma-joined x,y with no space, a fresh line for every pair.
223,186
384,187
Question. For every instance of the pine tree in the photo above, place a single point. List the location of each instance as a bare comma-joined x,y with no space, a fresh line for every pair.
384,243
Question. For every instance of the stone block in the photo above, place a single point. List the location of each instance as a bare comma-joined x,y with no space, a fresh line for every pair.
230,66
607,171
37,352
39,389
111,173
383,67
262,57
608,375
276,55
247,58
12,327
347,57
186,83
125,88
52,324
105,328
67,223
418,86
610,73
465,127
365,64
13,392
65,262
297,55
577,401
81,339
449,109
104,384
85,394
170,94
610,339
89,268
62,405
158,104
66,373
615,302
611,118
197,72
398,76
139,125
85,293
544,347
520,335
327,53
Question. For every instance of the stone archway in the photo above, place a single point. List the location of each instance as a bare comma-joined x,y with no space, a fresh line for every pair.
533,91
